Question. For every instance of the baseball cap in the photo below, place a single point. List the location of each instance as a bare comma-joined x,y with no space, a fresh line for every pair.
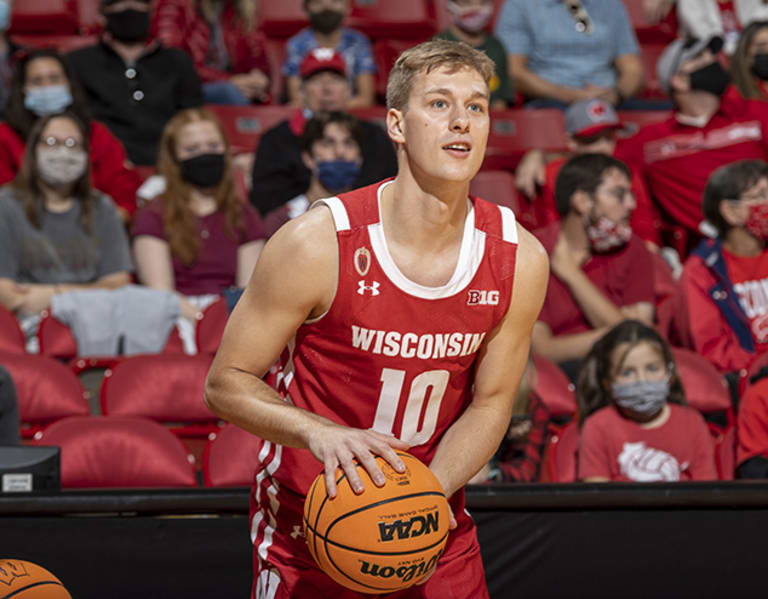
680,51
589,117
322,59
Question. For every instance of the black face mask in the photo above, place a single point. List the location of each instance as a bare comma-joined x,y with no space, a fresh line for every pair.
712,78
326,21
128,25
204,171
760,66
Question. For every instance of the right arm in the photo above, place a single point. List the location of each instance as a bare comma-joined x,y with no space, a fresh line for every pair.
531,85
154,266
276,306
563,348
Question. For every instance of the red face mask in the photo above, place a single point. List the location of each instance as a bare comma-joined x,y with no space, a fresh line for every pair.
757,221
605,235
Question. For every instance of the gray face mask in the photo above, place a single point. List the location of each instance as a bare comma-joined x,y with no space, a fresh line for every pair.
642,397
61,165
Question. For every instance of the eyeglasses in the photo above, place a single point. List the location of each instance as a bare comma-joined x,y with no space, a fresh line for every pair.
581,19
53,142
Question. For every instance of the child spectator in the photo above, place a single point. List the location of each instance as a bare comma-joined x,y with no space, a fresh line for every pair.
601,273
725,311
198,238
635,425
325,31
42,84
752,432
331,151
749,64
133,84
56,234
563,51
470,21
221,37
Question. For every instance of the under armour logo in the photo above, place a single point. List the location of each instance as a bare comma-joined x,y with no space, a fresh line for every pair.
373,288
297,532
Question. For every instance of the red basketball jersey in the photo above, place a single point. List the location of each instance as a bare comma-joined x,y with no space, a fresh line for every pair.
389,353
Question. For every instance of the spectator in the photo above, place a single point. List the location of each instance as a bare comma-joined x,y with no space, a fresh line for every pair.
279,173
7,50
56,234
635,424
134,85
704,19
326,31
42,84
331,151
752,432
725,310
198,238
221,37
563,51
601,273
749,64
470,21
592,126
9,411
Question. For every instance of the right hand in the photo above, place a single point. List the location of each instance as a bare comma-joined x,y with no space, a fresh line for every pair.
337,446
565,260
656,10
531,172
252,85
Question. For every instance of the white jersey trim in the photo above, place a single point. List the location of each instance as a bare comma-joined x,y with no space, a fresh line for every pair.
508,224
339,212
470,258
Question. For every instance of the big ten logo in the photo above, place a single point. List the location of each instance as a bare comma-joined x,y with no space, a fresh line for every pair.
405,572
482,297
407,528
11,570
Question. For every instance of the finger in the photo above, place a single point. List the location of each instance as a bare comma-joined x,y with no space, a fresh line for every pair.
372,467
330,476
350,469
390,440
541,176
392,458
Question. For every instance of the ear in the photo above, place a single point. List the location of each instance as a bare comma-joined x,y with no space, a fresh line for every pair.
396,125
308,162
733,213
571,144
581,202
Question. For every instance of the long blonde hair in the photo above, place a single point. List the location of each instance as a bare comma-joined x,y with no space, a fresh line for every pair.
246,11
179,221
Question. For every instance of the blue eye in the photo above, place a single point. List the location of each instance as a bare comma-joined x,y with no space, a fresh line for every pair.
439,104
476,107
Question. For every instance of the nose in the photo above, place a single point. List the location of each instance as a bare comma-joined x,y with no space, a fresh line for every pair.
459,120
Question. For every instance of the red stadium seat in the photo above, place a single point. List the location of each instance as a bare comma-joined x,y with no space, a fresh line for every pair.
499,187
514,132
11,335
563,454
412,19
102,452
46,391
705,389
385,52
276,58
44,17
62,43
554,388
230,457
211,327
244,125
725,454
89,15
661,33
282,18
649,54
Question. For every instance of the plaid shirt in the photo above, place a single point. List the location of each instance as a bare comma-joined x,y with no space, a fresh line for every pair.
520,461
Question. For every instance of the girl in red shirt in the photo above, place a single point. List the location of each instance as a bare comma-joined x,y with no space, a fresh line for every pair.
635,424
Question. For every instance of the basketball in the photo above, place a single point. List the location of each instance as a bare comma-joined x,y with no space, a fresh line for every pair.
25,580
385,539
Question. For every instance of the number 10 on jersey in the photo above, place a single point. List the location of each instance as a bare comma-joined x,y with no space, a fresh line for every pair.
432,383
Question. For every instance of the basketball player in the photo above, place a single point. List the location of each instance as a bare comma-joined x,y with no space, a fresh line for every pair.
407,311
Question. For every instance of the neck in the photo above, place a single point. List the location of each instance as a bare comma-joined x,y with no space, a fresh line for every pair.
202,201
128,51
473,39
328,40
573,228
697,104
56,199
740,242
316,191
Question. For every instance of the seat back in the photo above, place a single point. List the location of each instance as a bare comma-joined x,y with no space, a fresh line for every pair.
725,454
399,19
497,187
44,17
164,387
98,451
46,390
11,336
515,131
563,454
230,457
244,125
705,389
554,388
210,328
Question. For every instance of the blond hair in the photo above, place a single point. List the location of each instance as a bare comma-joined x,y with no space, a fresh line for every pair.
428,56
245,10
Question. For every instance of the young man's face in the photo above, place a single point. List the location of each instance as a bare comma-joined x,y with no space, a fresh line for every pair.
445,124
613,198
337,143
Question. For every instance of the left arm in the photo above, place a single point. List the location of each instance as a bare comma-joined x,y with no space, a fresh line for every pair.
471,441
629,71
37,296
642,311
247,256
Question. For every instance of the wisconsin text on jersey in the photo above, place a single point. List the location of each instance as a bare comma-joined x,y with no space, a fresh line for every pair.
411,345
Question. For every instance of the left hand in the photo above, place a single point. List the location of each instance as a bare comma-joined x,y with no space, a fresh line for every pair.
36,298
565,260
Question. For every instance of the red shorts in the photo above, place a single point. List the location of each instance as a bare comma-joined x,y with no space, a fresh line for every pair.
284,569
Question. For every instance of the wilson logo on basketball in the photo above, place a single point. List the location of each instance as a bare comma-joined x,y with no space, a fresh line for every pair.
9,571
407,529
404,573
482,297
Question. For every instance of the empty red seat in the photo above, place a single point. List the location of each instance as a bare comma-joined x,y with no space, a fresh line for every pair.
98,451
414,19
46,391
211,327
385,52
230,457
282,18
660,33
44,17
563,454
725,454
244,125
514,132
554,388
62,43
11,335
705,389
499,187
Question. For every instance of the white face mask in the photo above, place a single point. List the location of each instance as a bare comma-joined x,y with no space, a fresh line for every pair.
472,19
61,165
